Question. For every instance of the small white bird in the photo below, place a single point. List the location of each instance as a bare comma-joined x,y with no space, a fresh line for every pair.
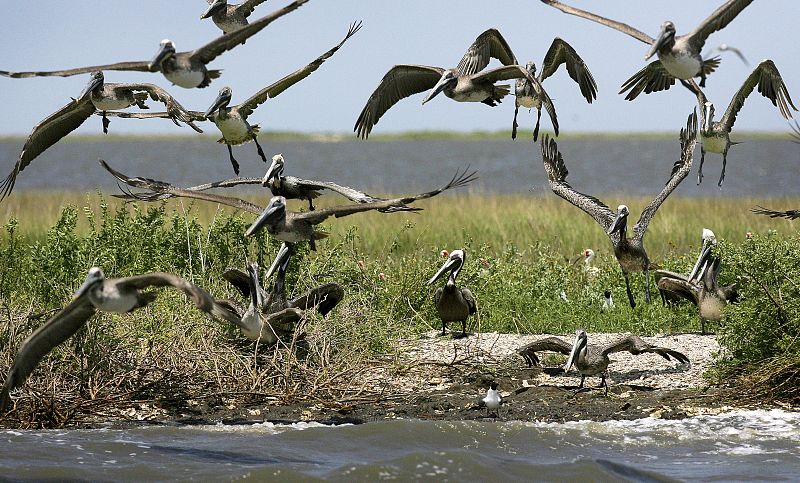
492,400
608,302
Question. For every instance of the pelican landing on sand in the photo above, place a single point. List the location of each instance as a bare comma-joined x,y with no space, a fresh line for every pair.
454,304
119,295
678,55
630,252
592,360
465,83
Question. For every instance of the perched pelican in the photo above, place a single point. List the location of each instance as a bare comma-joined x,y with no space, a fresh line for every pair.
492,400
185,69
678,55
119,295
97,96
630,252
232,121
527,95
230,17
591,360
453,304
715,135
465,83
788,214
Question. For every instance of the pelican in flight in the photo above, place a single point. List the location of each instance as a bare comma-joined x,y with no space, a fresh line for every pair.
630,252
230,17
454,304
715,135
529,95
591,360
788,214
465,83
118,295
678,55
98,96
232,121
184,69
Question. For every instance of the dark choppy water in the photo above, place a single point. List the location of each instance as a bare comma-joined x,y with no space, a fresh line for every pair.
758,168
740,446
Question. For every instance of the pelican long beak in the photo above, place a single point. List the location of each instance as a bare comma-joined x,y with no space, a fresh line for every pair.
443,83
704,252
87,284
223,98
270,216
163,52
214,8
281,260
448,265
273,172
577,346
618,223
659,42
94,83
708,116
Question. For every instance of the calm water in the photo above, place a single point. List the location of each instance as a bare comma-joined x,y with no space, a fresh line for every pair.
742,445
755,168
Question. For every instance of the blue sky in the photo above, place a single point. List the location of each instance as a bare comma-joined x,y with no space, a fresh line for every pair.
66,34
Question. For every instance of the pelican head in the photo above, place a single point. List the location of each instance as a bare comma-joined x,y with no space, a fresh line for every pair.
281,261
708,115
274,171
709,240
166,50
531,68
96,80
620,221
274,213
665,38
94,277
453,265
448,81
221,102
578,349
215,7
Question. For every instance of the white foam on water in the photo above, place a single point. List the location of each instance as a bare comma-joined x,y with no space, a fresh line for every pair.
266,427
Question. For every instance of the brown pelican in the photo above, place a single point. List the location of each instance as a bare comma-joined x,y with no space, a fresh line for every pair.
591,360
230,17
788,214
453,304
185,69
119,295
232,121
97,96
715,135
527,94
630,252
678,56
465,83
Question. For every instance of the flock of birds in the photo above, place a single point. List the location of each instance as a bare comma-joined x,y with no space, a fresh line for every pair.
269,315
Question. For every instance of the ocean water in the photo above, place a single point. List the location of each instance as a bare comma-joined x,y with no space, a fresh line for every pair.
754,445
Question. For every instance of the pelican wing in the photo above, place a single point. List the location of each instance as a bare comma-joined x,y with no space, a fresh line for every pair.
770,85
239,279
324,297
788,214
44,339
718,19
175,110
637,346
652,78
680,170
560,52
557,177
231,306
622,27
141,66
247,107
161,187
45,134
400,82
528,351
228,41
349,193
470,299
248,7
489,45
675,285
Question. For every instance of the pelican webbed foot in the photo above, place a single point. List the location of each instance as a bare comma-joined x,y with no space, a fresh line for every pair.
234,163
536,129
106,122
514,125
722,174
258,148
629,292
700,169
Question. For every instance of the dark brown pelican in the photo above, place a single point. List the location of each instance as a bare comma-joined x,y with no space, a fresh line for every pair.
715,135
465,83
97,96
454,304
678,55
119,295
185,69
527,94
230,17
788,214
232,121
630,252
591,360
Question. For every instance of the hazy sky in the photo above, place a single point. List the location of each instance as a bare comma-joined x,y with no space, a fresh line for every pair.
65,34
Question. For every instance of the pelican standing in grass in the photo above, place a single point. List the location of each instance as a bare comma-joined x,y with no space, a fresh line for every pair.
97,96
715,135
232,121
454,304
465,83
678,55
185,69
117,295
592,360
630,252
229,17
530,95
